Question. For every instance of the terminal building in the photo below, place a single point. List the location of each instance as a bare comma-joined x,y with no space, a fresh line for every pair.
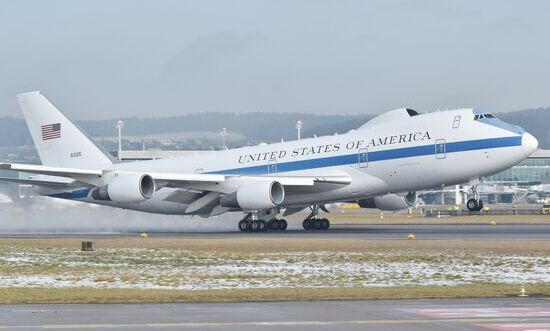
532,171
514,185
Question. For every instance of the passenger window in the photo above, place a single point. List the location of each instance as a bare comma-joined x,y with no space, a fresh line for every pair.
456,122
476,117
489,116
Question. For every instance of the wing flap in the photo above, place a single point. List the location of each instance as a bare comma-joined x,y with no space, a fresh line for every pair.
52,171
69,183
305,180
175,178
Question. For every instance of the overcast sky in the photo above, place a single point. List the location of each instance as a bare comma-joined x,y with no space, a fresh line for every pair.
104,59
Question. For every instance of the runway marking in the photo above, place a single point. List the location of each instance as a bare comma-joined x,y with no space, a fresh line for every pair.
518,327
481,312
131,308
266,323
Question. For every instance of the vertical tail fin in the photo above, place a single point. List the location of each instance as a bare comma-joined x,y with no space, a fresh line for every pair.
59,142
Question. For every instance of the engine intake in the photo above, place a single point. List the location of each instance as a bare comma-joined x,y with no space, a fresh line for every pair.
390,202
131,188
260,195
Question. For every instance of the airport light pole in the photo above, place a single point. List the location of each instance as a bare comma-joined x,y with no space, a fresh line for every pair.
119,126
299,127
223,133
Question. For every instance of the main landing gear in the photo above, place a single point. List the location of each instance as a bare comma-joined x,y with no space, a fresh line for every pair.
475,203
251,223
313,222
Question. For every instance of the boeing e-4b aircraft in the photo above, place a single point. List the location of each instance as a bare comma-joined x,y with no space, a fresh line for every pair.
381,164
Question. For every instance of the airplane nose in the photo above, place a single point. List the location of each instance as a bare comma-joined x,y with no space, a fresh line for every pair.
529,143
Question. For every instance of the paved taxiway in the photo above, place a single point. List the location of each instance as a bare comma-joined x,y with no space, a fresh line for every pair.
464,314
381,231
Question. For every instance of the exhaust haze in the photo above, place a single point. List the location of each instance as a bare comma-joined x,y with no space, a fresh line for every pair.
48,215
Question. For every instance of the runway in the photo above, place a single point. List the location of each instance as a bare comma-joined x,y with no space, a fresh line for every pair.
400,231
464,314
372,232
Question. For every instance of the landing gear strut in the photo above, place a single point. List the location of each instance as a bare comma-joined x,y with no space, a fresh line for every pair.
475,203
313,222
251,223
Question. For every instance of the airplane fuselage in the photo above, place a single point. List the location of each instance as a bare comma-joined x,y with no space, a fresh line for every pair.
393,153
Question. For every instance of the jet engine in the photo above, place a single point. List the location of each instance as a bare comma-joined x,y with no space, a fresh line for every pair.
130,188
391,202
255,196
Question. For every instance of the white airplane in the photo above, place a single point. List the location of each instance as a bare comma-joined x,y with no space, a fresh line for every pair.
381,164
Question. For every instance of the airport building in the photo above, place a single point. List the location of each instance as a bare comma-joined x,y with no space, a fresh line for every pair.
510,186
532,171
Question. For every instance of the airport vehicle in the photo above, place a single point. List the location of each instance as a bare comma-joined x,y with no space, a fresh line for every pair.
380,164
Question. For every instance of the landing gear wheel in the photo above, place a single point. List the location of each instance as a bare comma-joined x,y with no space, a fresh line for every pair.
244,225
274,225
317,224
475,203
325,224
262,225
472,205
283,225
307,224
254,226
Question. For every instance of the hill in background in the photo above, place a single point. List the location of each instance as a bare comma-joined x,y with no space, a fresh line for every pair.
256,127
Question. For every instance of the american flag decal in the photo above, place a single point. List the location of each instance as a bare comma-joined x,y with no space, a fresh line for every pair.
51,131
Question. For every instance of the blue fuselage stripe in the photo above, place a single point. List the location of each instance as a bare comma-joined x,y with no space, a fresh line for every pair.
390,154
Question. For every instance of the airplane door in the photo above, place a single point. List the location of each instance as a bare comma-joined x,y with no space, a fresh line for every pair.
440,149
272,167
363,158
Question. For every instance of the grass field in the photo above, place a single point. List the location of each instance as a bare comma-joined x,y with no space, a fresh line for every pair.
130,269
91,295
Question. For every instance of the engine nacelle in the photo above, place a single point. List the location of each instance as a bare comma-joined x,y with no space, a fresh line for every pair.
255,196
130,188
390,202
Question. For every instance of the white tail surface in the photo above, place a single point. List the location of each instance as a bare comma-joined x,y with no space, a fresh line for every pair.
59,142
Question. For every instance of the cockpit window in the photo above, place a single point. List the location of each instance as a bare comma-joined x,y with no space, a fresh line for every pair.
480,116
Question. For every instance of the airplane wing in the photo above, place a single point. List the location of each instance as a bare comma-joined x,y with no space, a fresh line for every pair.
206,182
200,191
